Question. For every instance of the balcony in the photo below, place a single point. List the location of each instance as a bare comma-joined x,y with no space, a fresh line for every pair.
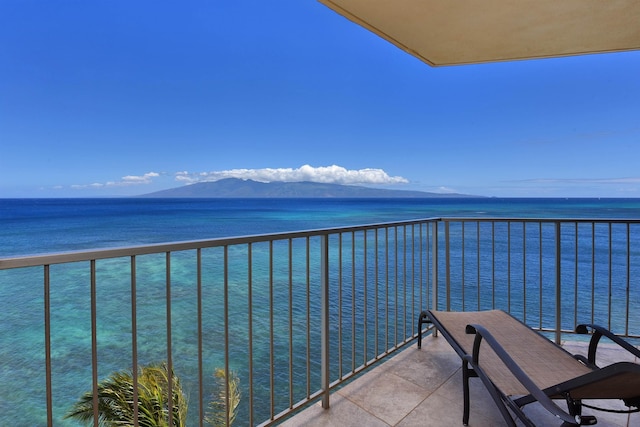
299,316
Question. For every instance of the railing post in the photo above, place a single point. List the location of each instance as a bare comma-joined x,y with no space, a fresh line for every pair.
558,285
324,320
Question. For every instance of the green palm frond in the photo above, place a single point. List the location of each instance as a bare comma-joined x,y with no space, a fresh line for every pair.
217,415
115,399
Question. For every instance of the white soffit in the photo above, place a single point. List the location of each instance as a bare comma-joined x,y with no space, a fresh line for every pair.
450,32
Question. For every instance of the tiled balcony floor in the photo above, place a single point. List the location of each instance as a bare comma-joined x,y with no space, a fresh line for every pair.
424,388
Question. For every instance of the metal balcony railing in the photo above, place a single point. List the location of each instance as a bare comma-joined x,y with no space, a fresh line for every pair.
294,315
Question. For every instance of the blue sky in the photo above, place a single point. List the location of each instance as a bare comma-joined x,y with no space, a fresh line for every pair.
117,98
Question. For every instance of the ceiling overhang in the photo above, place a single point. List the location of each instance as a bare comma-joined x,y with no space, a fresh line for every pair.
453,32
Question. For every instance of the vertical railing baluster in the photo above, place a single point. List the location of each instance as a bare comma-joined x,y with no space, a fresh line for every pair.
169,344
462,275
200,350
593,271
626,326
447,253
509,266
428,267
324,320
94,343
353,301
227,397
423,249
47,342
413,280
271,335
404,281
377,289
340,291
250,329
524,272
558,331
386,288
308,268
493,264
478,263
435,266
610,275
134,339
541,283
575,282
290,323
365,330
396,280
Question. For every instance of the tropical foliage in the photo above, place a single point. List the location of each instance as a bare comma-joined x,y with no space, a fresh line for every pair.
217,415
115,400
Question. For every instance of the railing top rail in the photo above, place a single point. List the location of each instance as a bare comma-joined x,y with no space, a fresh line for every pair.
95,254
543,220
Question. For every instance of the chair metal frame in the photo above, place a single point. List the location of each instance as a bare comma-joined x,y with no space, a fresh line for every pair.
472,366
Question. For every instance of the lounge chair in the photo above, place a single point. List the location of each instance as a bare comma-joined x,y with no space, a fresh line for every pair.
519,366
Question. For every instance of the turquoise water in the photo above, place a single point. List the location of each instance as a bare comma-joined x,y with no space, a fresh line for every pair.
31,226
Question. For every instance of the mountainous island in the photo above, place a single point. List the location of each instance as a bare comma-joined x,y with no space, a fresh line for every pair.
246,188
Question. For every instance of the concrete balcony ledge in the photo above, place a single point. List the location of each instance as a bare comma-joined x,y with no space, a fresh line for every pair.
424,388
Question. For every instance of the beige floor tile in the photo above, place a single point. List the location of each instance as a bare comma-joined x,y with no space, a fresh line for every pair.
428,367
439,411
342,413
385,395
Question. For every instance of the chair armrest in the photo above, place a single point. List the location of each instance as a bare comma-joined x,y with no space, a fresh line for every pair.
482,333
597,333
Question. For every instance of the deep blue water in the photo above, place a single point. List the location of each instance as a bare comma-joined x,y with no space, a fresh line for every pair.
33,226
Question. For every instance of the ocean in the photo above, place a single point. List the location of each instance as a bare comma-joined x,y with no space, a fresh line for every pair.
33,226
37,226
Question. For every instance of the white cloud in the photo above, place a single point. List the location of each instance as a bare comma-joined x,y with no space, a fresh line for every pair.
324,174
135,180
125,181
